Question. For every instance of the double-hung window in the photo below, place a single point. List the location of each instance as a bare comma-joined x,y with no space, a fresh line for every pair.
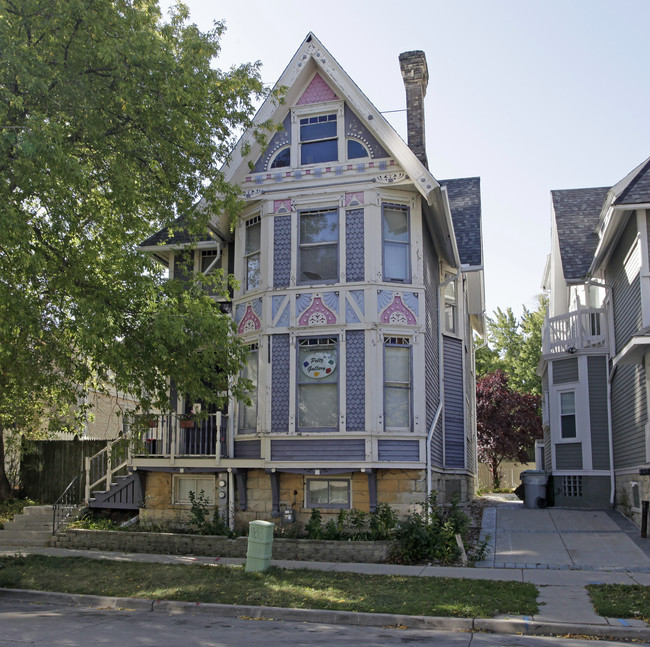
450,298
568,414
319,139
318,389
396,243
248,412
319,246
397,383
252,253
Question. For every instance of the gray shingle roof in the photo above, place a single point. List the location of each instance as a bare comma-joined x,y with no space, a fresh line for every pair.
576,217
465,204
176,234
638,190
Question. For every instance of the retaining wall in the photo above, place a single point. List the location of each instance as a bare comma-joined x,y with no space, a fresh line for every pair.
213,545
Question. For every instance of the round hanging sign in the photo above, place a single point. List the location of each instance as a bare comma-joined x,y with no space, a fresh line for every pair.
319,365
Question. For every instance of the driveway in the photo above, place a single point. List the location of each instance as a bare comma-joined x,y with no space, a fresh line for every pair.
561,538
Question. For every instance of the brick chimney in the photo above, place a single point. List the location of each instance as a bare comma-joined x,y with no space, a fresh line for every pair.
416,78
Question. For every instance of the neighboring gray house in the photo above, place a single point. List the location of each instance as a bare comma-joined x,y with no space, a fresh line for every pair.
596,345
361,284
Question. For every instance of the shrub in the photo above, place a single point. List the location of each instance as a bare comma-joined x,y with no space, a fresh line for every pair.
200,516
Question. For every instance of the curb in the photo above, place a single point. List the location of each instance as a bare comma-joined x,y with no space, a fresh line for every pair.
466,625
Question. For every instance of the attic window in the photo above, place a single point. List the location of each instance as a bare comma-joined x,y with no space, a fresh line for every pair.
318,139
356,150
282,159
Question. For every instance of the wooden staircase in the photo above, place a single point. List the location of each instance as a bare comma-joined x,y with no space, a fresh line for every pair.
31,528
125,493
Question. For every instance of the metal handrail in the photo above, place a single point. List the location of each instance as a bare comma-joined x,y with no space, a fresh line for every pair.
66,504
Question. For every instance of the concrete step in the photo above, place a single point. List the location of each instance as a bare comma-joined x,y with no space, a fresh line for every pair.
25,537
29,523
37,510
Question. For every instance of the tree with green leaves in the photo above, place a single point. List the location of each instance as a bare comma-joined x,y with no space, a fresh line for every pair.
514,347
113,122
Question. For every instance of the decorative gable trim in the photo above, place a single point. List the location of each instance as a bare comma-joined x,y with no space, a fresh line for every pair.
317,92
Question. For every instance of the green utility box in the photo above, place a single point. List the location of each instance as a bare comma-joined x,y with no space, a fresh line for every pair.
260,545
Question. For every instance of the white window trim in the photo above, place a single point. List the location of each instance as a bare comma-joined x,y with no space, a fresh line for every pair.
314,110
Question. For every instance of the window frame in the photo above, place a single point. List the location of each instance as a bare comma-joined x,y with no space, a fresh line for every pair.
328,506
248,255
253,394
304,246
450,305
316,342
211,493
405,343
562,415
395,243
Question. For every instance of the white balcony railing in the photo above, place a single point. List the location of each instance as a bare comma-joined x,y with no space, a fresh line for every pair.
581,329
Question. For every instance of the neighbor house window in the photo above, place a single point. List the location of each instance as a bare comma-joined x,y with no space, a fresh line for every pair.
450,297
183,485
568,414
252,253
328,493
396,243
318,393
397,383
318,139
248,412
319,246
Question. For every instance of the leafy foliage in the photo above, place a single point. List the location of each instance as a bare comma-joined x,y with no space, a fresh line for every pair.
354,525
200,516
508,422
113,124
514,347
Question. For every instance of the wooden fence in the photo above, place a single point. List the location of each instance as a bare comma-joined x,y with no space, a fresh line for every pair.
510,472
48,466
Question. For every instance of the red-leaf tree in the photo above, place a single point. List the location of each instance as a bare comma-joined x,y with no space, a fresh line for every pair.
508,422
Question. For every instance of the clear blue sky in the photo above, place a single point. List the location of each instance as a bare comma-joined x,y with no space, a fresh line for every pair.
528,95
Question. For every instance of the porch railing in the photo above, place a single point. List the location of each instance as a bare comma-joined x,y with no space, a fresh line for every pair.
170,436
578,330
107,463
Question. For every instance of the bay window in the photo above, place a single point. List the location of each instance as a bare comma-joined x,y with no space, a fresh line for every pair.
318,393
396,243
252,247
248,412
397,383
319,246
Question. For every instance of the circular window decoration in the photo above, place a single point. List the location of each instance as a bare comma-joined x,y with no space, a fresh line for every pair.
319,365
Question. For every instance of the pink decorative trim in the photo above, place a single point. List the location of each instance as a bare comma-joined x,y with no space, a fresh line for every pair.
317,315
316,92
281,206
250,321
353,198
397,313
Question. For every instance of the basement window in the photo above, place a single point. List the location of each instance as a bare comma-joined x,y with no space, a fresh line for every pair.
183,485
328,493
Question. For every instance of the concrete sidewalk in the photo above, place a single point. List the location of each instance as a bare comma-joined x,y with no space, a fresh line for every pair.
559,551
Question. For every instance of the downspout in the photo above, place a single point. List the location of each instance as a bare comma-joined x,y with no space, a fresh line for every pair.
610,376
440,387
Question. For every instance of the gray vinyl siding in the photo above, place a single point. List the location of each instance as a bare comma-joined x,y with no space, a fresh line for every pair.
629,415
248,449
431,348
568,456
355,380
548,448
454,405
280,383
398,450
647,216
565,370
318,450
597,372
626,293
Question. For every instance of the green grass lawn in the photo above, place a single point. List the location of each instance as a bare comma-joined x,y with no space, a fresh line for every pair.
621,600
301,589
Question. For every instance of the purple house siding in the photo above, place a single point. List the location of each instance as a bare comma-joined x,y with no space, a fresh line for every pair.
248,449
280,385
318,450
355,376
354,252
398,450
454,410
281,251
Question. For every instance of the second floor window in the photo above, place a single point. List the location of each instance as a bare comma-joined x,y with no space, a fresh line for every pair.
252,253
396,243
248,412
397,383
451,306
319,246
568,414
318,373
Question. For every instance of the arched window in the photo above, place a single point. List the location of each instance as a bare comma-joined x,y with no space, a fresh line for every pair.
282,159
356,150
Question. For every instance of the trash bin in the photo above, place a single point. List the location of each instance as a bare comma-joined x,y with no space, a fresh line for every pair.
534,488
260,545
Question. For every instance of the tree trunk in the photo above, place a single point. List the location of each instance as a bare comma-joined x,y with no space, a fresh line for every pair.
5,487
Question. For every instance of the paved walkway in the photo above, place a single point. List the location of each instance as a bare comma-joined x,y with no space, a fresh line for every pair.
560,551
